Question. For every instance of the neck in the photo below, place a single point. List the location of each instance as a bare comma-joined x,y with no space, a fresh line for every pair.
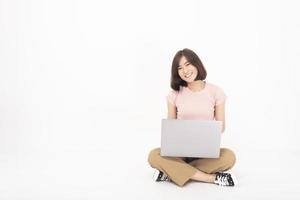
196,85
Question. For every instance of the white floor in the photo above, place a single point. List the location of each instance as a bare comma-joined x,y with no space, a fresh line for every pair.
114,170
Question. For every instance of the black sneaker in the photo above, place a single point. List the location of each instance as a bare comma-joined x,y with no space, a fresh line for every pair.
160,176
224,179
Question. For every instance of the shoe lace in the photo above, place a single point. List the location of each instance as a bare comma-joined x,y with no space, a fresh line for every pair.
222,179
164,177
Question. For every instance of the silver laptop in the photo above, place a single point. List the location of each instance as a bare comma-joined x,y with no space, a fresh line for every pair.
190,138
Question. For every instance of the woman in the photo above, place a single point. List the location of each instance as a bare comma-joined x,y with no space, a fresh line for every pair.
193,98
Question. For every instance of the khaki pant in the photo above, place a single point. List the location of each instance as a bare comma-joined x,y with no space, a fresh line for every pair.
180,170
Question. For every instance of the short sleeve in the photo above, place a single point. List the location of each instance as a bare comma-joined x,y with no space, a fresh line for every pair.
171,97
220,96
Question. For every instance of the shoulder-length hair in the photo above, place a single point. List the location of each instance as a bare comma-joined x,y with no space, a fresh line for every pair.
193,59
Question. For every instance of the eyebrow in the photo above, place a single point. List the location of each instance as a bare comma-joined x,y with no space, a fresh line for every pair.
184,63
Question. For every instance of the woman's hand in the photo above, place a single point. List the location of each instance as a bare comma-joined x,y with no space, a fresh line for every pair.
220,115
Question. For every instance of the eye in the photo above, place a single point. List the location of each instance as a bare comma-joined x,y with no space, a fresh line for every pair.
187,64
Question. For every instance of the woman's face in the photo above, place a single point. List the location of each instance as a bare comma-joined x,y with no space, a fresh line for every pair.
187,71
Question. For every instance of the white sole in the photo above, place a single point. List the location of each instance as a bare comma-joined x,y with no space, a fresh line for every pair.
155,175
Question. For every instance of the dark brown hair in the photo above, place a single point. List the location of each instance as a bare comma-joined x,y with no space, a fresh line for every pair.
193,59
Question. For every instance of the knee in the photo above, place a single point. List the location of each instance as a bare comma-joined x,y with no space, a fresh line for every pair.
153,155
228,156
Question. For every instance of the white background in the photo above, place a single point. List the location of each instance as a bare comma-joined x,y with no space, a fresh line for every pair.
83,86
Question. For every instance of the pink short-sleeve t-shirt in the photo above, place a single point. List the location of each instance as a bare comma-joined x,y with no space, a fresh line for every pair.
197,104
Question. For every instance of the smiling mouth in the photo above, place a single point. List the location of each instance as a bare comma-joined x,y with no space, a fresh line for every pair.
187,76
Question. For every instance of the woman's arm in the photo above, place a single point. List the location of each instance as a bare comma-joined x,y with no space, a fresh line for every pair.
220,115
172,111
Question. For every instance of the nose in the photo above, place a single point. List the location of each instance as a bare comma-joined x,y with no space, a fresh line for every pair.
185,70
